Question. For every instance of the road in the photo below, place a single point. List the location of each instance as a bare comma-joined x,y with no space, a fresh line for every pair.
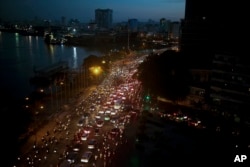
51,144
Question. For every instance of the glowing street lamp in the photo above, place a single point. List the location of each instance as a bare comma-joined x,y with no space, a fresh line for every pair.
96,70
61,84
41,90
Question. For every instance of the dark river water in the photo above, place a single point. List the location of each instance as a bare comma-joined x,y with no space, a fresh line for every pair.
20,55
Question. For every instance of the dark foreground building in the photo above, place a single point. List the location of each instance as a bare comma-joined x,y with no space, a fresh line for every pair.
212,39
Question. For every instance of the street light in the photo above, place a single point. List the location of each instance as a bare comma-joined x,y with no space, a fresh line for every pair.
96,70
27,102
61,90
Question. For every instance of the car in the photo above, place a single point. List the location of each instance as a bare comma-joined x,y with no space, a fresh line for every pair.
114,119
92,143
80,122
84,136
65,163
99,123
98,116
113,112
71,157
97,131
115,131
87,129
106,117
92,108
107,112
86,156
76,147
101,112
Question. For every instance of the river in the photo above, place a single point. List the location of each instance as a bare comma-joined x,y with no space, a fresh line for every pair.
20,55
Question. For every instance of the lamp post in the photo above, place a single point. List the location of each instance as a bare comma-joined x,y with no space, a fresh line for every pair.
61,87
42,100
27,102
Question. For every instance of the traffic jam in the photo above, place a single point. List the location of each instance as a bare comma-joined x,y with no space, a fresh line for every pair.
92,132
104,117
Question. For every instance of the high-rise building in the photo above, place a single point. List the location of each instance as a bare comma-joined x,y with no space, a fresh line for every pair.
211,38
133,25
196,31
164,25
175,31
230,86
104,18
209,27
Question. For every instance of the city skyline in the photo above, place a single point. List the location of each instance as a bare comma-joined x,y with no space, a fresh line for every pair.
84,11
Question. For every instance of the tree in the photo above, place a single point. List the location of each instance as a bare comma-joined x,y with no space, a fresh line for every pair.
165,75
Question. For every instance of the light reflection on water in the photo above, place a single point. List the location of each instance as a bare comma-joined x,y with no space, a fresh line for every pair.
74,58
20,55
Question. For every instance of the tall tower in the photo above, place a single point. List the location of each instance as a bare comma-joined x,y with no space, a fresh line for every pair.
104,18
196,33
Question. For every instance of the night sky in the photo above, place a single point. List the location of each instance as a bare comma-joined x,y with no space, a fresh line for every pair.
84,10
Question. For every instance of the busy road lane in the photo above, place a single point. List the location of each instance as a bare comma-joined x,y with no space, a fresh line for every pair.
60,142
